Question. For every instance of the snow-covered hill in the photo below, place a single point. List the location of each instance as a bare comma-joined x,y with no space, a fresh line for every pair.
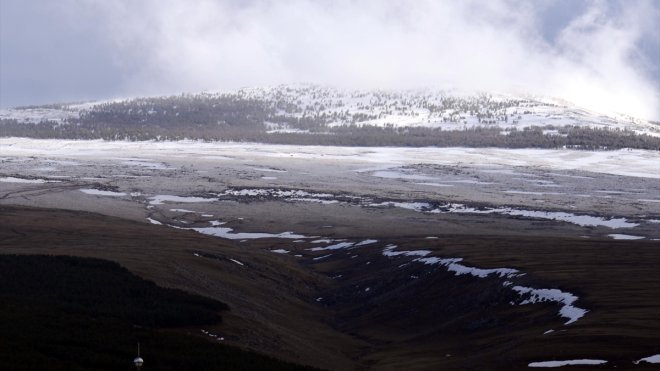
448,110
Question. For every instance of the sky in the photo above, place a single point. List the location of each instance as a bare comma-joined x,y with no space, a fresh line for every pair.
600,55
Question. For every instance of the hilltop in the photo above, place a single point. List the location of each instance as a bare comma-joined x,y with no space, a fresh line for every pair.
311,114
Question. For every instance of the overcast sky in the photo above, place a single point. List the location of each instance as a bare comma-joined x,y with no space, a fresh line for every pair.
603,55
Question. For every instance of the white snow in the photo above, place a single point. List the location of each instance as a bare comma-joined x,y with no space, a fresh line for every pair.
452,265
11,179
147,164
183,211
98,192
565,298
637,163
275,193
341,245
237,262
389,251
436,184
534,193
35,115
365,242
581,220
651,359
568,363
280,251
154,221
318,200
400,175
532,295
468,181
268,169
229,234
618,236
323,241
160,199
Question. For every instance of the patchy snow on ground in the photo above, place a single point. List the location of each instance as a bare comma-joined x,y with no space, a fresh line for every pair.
228,233
183,211
147,164
452,265
154,221
389,252
365,242
274,193
566,299
161,199
400,175
531,295
236,261
637,163
581,220
618,236
269,170
280,251
341,245
436,184
98,192
324,240
651,359
11,179
568,363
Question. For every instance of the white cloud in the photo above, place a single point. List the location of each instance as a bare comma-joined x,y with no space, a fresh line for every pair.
170,46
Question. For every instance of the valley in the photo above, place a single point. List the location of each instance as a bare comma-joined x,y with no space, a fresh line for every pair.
365,257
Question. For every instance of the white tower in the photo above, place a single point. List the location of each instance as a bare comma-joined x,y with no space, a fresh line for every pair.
138,361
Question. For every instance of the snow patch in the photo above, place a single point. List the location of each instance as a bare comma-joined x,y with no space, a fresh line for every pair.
97,192
568,363
651,359
567,299
11,179
341,245
237,262
160,199
617,236
229,234
154,221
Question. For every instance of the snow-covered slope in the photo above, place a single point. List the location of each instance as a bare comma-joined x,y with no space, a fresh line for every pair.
448,110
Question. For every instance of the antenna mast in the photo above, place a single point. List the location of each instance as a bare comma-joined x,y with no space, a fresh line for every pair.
138,361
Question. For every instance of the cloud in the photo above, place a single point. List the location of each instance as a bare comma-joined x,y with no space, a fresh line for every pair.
594,59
